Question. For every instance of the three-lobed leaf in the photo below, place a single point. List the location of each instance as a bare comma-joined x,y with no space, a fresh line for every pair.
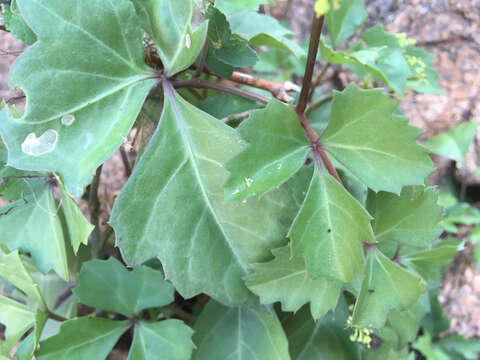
330,229
85,93
108,285
287,280
173,207
278,148
377,146
386,286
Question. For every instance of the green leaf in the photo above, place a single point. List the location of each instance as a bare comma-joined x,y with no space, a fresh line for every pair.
427,263
14,22
428,349
32,224
435,322
99,84
218,27
460,346
343,22
406,323
223,105
109,286
422,64
177,191
329,230
242,333
278,148
169,23
83,338
232,6
26,349
13,269
169,339
359,135
217,66
386,286
286,279
413,218
79,228
236,52
455,143
263,30
18,319
326,339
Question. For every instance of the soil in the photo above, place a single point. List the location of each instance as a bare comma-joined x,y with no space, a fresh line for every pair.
448,28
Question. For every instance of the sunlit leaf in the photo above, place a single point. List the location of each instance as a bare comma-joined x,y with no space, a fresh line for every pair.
232,6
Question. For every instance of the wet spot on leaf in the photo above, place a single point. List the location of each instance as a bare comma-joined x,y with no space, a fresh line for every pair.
36,146
188,41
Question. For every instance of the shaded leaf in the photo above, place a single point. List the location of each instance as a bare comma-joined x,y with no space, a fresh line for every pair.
14,22
173,207
386,286
168,339
413,218
278,148
108,285
326,339
236,52
343,22
79,228
83,338
100,83
460,346
286,280
406,323
233,6
242,333
428,349
218,27
32,224
329,230
455,143
359,135
169,23
263,30
223,105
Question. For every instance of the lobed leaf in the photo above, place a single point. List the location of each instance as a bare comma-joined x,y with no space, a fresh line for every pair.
242,333
83,338
168,339
286,279
173,207
329,230
377,146
343,22
386,286
14,22
85,93
413,218
278,148
455,143
32,224
109,286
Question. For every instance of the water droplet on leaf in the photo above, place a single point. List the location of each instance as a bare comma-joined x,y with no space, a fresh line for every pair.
279,166
36,146
188,41
68,120
248,181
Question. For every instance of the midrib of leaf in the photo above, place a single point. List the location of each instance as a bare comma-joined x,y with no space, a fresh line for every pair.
343,128
119,23
159,335
187,141
91,36
85,104
284,277
390,280
310,339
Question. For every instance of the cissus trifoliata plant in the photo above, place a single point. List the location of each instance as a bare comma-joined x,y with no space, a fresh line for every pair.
253,224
